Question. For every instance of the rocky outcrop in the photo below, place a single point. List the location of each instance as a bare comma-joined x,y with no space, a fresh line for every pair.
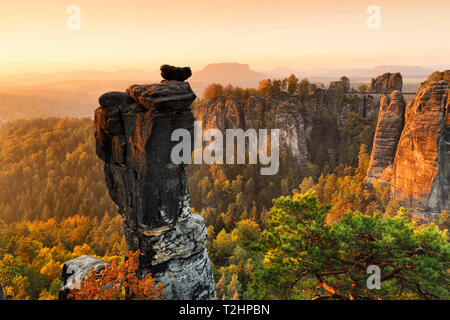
390,123
386,83
256,112
175,73
334,98
343,83
418,173
133,136
292,132
421,168
222,113
444,157
75,270
317,97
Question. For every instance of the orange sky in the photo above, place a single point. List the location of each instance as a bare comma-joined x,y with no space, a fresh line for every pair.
144,34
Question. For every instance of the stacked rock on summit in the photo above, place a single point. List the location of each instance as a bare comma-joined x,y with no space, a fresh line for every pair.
175,73
421,170
133,137
391,118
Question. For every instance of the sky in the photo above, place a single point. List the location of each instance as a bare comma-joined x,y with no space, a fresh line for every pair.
117,34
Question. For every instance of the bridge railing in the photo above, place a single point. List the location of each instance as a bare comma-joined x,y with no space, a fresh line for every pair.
373,93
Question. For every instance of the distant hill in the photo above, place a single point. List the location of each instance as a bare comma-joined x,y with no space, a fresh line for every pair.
227,73
68,98
75,94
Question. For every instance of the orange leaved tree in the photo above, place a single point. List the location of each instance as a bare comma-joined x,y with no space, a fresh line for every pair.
118,282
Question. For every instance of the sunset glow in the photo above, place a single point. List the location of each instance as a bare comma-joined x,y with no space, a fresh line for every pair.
144,34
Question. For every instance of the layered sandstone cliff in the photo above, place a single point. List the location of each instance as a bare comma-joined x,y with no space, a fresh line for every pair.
390,123
256,112
416,162
133,135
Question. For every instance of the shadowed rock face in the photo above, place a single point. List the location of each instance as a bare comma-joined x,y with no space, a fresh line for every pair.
390,123
133,136
292,131
134,141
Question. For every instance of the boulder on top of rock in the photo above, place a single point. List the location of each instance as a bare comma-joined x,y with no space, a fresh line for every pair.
134,138
175,73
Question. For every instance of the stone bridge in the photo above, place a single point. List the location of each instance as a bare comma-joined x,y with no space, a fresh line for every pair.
407,96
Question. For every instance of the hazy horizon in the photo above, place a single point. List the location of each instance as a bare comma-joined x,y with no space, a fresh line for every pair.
266,69
134,34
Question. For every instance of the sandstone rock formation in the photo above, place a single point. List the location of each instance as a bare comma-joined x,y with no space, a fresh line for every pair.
222,113
421,168
292,133
390,123
256,113
343,83
386,83
133,136
75,270
419,171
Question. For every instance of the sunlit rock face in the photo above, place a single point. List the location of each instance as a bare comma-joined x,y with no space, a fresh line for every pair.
420,177
133,136
75,270
411,150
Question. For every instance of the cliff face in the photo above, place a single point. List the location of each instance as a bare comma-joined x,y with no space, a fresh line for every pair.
133,135
340,100
421,166
416,162
390,123
386,83
257,113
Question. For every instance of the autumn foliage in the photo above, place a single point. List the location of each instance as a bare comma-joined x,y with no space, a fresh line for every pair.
118,282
